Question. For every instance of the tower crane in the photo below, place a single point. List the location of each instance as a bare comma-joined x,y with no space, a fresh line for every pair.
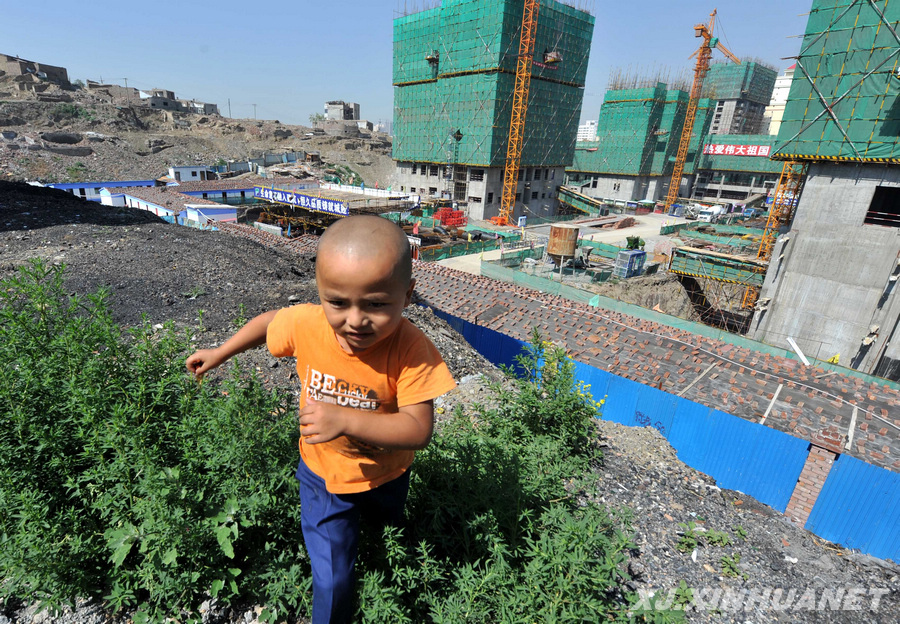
519,108
704,53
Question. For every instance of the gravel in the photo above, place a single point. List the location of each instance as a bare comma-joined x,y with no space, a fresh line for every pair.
208,280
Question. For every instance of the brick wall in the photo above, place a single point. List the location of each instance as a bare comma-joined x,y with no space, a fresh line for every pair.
809,485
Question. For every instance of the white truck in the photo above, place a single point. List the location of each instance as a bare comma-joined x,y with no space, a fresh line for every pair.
711,214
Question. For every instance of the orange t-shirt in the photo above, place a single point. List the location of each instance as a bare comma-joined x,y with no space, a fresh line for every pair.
403,369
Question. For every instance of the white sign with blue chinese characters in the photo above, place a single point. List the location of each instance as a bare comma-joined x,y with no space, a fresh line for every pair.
293,198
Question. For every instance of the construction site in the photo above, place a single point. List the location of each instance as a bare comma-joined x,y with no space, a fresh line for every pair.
831,284
784,247
815,286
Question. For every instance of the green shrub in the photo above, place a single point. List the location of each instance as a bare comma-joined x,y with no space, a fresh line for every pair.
68,110
123,479
497,530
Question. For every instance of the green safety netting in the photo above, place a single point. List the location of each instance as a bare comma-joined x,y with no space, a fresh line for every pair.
638,132
454,71
843,102
748,80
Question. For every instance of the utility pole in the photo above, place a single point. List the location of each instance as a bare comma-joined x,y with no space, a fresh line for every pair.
126,82
254,111
229,108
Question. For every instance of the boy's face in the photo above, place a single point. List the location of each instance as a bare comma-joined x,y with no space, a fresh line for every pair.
363,299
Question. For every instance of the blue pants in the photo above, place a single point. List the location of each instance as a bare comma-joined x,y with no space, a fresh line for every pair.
330,524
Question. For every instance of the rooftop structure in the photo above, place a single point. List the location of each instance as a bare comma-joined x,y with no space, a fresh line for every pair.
454,69
31,75
340,110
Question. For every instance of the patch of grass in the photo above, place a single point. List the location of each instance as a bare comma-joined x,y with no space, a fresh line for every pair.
193,293
68,110
77,172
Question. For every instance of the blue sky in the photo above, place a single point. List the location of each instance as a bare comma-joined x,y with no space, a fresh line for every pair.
289,58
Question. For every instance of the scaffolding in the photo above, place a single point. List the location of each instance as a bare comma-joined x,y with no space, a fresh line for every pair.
716,284
638,130
454,72
843,104
751,80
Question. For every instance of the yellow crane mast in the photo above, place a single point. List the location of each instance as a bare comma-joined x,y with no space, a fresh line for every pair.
704,53
519,108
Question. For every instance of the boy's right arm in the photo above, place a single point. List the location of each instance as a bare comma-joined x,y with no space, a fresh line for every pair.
253,334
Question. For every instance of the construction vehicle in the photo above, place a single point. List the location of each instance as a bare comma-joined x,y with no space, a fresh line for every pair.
704,53
711,214
519,108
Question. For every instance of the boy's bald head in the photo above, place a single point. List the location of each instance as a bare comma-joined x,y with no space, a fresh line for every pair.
367,237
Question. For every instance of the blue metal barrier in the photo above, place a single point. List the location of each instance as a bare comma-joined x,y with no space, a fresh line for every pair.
859,506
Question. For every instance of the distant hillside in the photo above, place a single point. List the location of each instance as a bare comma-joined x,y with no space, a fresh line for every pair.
90,137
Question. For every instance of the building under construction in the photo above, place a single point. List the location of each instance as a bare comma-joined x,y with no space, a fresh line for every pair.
637,139
641,122
741,92
831,286
455,75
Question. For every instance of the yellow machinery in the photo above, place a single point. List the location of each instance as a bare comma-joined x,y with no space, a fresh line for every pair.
519,108
704,53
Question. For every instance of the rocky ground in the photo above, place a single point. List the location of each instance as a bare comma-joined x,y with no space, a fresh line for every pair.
207,280
93,139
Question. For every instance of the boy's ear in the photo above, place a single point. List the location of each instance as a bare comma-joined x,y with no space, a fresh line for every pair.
409,292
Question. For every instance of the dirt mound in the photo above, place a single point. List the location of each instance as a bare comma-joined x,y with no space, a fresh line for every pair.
207,280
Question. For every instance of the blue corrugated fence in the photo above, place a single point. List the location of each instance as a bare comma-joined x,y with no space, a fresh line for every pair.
859,505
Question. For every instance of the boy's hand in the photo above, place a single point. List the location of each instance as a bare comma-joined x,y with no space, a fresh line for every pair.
321,422
199,362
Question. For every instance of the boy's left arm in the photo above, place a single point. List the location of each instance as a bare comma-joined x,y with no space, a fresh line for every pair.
409,428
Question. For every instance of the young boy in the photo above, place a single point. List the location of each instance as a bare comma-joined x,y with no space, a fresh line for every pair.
369,378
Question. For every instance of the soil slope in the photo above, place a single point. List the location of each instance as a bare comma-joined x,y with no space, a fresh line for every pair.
93,139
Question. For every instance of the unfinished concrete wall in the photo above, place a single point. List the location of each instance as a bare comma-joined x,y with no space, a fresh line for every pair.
628,188
484,188
830,279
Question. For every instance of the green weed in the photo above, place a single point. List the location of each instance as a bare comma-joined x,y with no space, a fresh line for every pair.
717,538
730,566
690,538
122,479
